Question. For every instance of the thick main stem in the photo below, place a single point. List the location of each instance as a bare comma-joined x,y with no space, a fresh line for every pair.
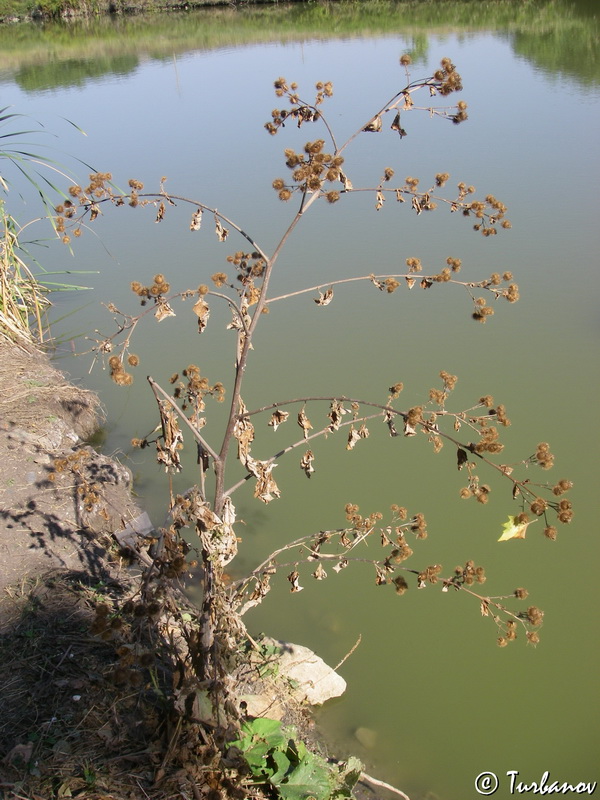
243,358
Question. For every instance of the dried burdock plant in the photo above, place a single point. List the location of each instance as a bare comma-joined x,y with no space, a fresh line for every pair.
317,173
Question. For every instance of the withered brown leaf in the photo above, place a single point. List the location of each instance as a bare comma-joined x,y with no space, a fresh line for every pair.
167,453
395,126
266,489
324,298
336,412
222,233
389,421
346,181
379,284
202,310
304,423
409,430
341,564
277,418
294,579
163,310
306,463
356,435
243,431
196,221
374,126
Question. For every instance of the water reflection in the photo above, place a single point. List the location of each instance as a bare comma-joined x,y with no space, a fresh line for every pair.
559,36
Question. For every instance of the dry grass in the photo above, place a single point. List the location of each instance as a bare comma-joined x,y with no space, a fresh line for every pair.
22,299
69,726
31,391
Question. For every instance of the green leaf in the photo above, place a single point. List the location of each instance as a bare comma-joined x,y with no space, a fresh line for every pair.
513,529
349,775
258,738
282,764
310,779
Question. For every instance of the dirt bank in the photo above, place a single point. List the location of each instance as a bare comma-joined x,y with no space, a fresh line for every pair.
69,720
60,500
94,682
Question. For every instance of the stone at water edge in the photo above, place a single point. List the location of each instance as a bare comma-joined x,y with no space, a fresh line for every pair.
367,737
316,682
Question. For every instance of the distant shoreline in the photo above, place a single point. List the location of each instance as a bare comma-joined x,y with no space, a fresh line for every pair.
27,11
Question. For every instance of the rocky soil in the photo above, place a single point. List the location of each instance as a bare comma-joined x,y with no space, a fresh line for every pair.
89,689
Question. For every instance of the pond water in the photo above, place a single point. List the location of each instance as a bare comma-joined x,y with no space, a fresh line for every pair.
187,98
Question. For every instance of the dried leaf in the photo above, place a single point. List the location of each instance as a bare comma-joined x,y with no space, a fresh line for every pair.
380,576
408,101
410,282
336,413
252,296
202,310
389,421
306,463
319,574
485,608
461,458
167,453
243,431
304,423
266,489
277,418
160,215
196,222
294,578
353,438
379,284
341,564
379,200
416,205
346,181
356,435
20,752
163,310
395,126
374,126
513,529
408,429
261,588
217,535
324,298
222,233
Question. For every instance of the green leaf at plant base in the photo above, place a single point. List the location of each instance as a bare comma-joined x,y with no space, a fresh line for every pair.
349,773
258,738
310,779
282,766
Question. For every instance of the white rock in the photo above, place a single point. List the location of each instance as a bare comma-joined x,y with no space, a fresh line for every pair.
316,682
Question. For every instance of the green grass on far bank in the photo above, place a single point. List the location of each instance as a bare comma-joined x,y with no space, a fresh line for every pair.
13,10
